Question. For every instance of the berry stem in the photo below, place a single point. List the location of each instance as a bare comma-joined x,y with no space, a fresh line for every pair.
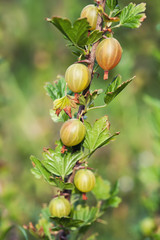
105,75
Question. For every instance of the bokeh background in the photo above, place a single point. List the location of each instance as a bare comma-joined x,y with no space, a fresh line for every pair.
33,52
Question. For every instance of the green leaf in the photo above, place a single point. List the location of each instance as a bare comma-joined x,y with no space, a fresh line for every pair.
44,222
98,135
67,222
111,202
77,34
60,164
112,4
132,15
101,189
36,173
42,170
23,232
94,37
63,185
82,100
115,189
56,90
86,214
114,88
61,118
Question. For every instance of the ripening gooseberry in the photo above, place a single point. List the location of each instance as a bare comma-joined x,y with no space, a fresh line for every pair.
72,132
78,77
108,54
59,207
90,12
147,226
84,180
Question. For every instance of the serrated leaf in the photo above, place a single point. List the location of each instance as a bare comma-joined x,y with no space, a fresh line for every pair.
46,174
114,88
61,118
66,101
98,135
86,214
63,185
77,34
94,36
112,4
56,90
82,100
60,164
132,15
36,173
67,222
101,189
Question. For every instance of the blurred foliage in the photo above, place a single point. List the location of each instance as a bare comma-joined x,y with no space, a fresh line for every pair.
33,53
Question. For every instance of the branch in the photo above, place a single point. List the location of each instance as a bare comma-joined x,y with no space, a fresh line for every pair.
92,54
91,59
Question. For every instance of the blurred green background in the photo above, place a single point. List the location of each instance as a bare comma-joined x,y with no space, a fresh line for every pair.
33,52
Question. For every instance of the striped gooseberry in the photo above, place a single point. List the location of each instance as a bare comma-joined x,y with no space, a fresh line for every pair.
59,207
72,132
90,12
84,180
108,54
78,77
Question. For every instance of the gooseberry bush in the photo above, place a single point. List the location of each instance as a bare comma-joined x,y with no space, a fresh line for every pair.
69,214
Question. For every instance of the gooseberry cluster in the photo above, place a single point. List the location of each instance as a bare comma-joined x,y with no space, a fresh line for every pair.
84,181
66,167
78,78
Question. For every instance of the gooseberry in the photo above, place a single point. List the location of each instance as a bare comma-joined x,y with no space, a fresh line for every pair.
147,226
90,12
78,77
108,54
84,180
59,207
72,132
